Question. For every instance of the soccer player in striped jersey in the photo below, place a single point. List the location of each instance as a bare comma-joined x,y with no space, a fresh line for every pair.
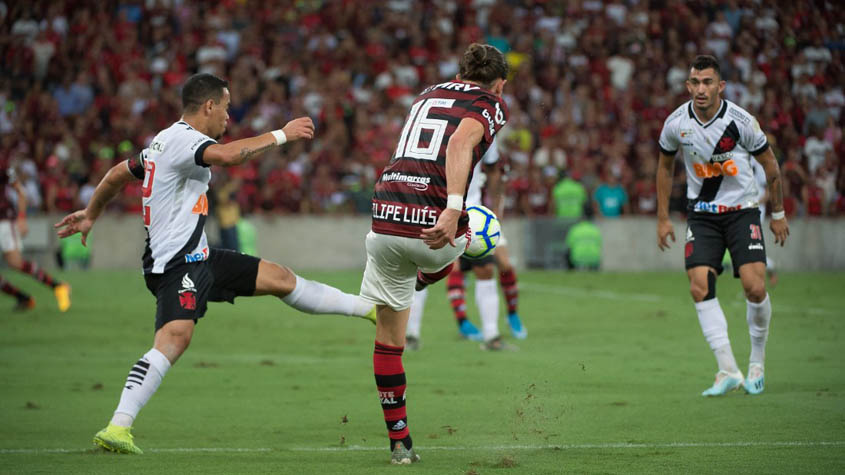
13,227
487,180
719,139
420,225
179,268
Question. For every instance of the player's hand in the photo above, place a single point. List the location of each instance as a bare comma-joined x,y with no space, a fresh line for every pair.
444,231
664,230
23,227
77,222
301,128
780,228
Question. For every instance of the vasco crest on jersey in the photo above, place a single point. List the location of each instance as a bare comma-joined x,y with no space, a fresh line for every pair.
726,144
188,294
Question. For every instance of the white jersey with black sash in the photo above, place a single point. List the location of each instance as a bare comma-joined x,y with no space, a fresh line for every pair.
718,156
174,200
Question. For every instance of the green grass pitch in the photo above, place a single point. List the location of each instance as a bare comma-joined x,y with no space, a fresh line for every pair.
608,381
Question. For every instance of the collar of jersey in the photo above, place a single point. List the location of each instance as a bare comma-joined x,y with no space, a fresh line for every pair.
722,109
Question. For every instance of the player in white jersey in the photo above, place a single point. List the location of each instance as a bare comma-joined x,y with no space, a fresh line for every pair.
179,268
487,173
719,140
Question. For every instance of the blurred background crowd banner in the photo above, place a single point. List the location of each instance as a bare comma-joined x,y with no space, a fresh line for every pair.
85,84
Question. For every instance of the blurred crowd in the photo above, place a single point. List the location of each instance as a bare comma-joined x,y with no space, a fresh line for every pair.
84,84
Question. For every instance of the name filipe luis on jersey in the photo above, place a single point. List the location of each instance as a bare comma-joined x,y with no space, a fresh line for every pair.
426,216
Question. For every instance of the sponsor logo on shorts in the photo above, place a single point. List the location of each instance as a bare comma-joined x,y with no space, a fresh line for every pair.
690,237
755,247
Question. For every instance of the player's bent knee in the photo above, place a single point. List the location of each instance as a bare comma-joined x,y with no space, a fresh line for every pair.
174,338
703,289
274,279
755,291
485,272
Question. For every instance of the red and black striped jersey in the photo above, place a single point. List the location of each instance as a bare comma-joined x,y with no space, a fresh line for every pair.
411,192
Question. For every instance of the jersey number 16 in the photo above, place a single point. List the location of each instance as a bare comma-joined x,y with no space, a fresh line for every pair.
418,120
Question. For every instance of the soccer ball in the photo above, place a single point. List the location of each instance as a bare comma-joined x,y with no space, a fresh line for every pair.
485,232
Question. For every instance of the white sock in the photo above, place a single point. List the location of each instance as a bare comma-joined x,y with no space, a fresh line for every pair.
143,380
715,330
758,316
314,297
415,318
487,300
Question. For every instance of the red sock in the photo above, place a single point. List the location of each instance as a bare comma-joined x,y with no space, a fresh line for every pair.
390,381
10,289
457,293
508,281
34,270
429,278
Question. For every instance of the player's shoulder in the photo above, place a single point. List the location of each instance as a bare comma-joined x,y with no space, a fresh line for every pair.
181,129
738,114
678,114
181,135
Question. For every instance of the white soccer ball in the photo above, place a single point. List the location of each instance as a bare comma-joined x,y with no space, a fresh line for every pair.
485,232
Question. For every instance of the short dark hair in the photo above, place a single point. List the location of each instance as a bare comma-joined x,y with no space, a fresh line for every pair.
704,61
200,88
483,64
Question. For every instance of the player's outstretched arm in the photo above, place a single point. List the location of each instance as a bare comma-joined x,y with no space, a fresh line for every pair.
83,220
240,151
778,224
665,169
458,163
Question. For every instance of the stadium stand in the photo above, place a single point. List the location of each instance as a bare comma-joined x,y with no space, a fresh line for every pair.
84,84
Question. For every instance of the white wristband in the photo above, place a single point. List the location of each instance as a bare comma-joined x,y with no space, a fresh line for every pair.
280,136
455,202
776,215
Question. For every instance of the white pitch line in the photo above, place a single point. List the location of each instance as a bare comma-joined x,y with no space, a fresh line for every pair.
167,450
617,445
359,448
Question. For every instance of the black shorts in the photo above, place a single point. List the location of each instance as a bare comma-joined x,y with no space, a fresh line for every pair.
708,235
467,264
183,291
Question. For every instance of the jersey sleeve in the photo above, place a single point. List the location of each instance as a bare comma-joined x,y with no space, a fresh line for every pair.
669,141
491,112
197,143
137,164
752,138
